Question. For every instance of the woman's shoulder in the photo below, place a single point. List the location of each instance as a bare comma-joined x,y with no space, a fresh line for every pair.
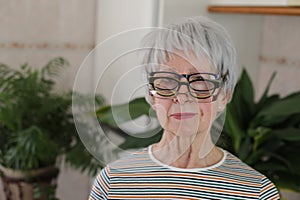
235,165
131,160
244,174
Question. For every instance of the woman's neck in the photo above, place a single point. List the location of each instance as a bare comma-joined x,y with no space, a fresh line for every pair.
196,151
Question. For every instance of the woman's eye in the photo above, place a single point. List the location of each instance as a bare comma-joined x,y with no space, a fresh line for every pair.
202,85
165,83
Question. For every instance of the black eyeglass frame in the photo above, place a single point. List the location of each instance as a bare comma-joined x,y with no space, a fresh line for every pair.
218,83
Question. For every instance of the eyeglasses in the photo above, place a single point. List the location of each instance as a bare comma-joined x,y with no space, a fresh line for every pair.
201,86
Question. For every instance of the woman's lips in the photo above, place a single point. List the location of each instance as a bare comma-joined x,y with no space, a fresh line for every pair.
185,115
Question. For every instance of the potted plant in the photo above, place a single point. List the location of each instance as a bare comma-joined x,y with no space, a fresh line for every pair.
36,129
264,134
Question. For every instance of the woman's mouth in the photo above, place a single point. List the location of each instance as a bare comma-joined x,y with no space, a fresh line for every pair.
185,115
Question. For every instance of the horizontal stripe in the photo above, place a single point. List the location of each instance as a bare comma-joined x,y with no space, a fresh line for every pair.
137,176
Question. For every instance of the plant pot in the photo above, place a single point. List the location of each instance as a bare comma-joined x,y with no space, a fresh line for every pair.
32,185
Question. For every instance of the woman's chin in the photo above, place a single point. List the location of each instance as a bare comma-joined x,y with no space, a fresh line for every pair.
185,131
185,127
190,130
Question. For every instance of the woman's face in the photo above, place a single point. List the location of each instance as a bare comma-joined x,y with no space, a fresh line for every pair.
184,115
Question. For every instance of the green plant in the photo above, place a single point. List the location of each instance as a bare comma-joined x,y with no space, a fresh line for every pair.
264,134
32,117
36,123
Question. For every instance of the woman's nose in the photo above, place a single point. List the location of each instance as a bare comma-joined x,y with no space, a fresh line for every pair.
183,95
181,98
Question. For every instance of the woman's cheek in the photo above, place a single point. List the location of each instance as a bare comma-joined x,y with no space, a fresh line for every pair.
162,113
205,108
207,113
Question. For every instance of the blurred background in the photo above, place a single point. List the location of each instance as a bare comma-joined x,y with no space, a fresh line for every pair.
34,32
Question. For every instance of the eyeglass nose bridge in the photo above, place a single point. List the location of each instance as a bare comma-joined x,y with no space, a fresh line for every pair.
180,83
187,94
187,84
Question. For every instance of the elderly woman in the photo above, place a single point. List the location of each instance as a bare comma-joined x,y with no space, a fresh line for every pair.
191,74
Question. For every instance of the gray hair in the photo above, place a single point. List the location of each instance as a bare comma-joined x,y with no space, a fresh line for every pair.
199,35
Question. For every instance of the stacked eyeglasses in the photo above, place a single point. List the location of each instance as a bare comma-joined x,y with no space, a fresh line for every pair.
201,86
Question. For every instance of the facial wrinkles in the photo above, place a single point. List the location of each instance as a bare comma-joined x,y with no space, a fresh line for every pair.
185,103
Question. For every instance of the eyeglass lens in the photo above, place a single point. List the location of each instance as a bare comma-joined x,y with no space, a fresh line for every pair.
200,85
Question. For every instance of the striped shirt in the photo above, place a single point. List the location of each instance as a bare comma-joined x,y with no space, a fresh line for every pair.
141,176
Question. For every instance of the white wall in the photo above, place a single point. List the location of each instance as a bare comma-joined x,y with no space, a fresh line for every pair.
115,16
116,22
280,51
34,32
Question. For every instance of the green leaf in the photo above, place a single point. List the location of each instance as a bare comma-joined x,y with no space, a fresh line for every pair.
283,107
53,67
36,124
291,153
281,158
288,134
264,97
246,146
274,166
291,121
242,103
31,149
233,129
255,156
262,134
104,115
119,114
246,88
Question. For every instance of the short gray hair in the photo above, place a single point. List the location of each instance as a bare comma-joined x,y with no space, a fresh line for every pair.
199,35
